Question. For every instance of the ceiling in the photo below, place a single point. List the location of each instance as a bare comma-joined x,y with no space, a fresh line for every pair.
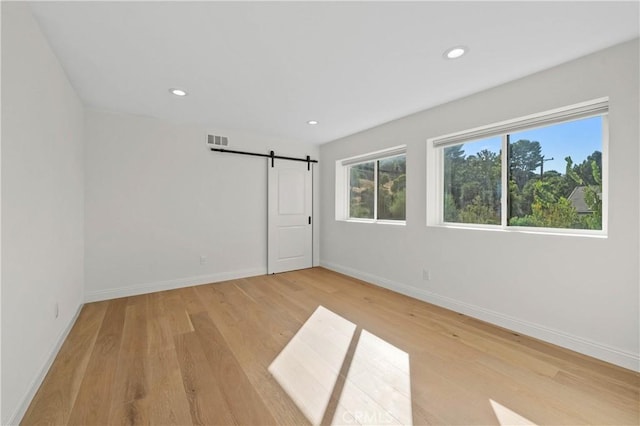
269,67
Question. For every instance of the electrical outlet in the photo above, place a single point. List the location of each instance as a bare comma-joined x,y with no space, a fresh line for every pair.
203,260
426,275
56,310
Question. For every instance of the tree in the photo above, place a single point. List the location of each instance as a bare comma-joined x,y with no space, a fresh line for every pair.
592,191
454,160
471,185
451,213
585,170
479,212
551,210
398,207
391,188
362,191
548,209
399,183
525,156
480,192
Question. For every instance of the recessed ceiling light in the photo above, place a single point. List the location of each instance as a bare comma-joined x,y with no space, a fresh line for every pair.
455,52
312,122
178,92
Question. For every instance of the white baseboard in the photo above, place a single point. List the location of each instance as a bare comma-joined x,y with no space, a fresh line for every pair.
144,288
26,399
584,346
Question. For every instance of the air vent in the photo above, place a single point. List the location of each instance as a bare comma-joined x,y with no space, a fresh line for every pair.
217,141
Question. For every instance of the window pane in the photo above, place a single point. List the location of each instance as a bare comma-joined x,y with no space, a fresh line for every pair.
392,182
361,187
472,182
555,176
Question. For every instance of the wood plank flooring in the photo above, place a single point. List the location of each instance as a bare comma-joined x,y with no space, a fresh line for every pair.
201,355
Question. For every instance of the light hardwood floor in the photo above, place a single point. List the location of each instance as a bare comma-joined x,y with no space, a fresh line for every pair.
202,355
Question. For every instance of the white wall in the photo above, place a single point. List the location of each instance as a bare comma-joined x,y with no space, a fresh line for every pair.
578,292
42,207
157,199
1,412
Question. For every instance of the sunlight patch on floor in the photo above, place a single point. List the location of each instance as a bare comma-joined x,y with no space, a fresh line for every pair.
507,417
308,367
376,390
378,386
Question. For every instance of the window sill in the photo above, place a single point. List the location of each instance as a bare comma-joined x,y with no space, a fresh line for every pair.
525,230
373,221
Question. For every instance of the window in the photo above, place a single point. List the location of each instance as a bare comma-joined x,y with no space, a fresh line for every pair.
472,189
372,187
552,176
362,190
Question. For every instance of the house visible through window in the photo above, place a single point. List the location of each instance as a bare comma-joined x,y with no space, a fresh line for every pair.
373,186
551,176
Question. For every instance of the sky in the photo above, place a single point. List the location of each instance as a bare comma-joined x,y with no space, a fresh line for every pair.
577,139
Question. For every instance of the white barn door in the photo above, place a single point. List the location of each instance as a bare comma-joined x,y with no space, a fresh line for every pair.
290,235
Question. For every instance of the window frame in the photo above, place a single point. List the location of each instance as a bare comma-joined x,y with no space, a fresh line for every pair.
343,187
435,166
